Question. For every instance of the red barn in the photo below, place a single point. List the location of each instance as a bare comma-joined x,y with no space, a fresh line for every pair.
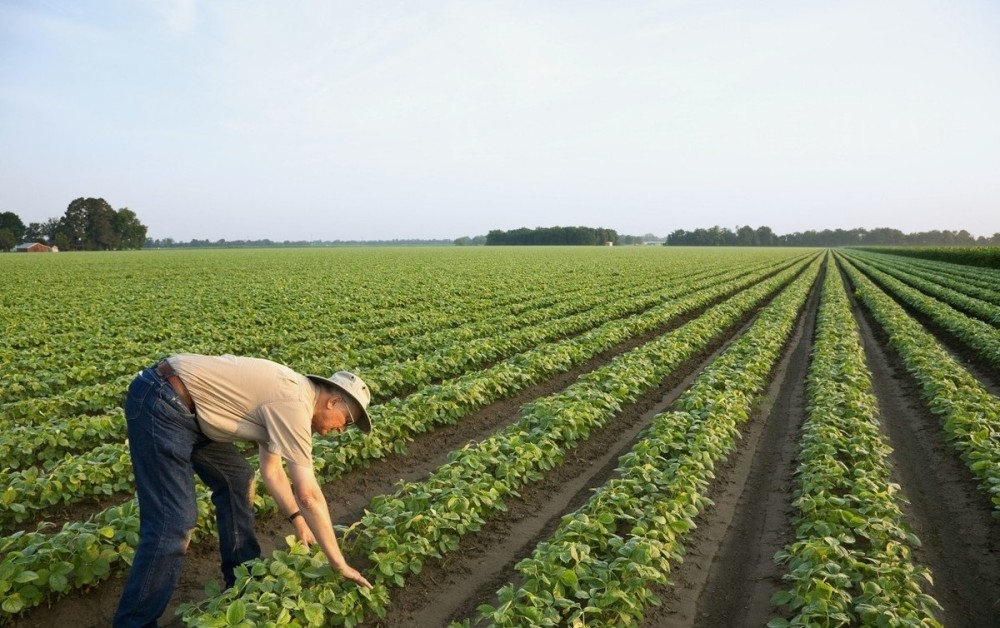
35,247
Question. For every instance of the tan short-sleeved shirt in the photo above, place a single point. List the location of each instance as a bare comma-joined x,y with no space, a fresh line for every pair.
251,399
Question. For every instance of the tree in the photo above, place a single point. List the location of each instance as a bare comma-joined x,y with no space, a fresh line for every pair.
131,232
50,228
884,236
73,224
91,224
551,236
765,237
100,232
746,236
7,240
33,232
12,223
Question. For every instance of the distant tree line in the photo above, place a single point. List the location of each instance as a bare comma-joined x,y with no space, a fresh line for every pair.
764,236
552,236
89,224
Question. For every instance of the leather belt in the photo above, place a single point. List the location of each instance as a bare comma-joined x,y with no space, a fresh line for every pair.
167,372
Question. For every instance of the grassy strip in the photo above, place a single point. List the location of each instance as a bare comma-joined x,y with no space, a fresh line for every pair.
427,519
851,561
599,566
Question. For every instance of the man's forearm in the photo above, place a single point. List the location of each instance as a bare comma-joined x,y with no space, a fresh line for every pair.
317,515
280,490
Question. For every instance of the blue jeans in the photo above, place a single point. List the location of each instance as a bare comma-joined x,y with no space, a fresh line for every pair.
167,448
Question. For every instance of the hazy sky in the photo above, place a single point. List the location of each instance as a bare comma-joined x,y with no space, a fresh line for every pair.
323,119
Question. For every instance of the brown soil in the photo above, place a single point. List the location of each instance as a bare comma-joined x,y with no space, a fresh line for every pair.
951,517
728,576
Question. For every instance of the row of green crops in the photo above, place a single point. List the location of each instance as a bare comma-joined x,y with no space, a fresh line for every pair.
116,314
969,414
112,532
851,561
387,336
440,334
979,308
426,520
981,338
984,256
979,287
436,359
106,469
599,566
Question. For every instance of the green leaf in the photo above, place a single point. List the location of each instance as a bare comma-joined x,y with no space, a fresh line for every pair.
13,604
58,582
236,613
25,576
568,578
314,614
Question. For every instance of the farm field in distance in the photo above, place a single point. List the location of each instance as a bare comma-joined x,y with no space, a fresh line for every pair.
654,436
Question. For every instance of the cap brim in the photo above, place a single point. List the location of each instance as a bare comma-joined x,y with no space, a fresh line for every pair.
363,422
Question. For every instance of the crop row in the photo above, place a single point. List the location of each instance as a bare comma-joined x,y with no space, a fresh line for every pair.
984,288
969,414
387,378
600,565
981,338
938,288
25,444
426,520
35,376
851,561
112,531
105,469
263,312
983,256
971,276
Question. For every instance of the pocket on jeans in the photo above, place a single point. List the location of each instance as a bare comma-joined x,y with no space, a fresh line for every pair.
138,395
138,391
174,401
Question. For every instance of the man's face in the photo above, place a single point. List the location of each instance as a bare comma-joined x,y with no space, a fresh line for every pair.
336,414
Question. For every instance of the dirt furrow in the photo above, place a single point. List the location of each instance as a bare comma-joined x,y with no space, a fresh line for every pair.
950,515
452,589
728,574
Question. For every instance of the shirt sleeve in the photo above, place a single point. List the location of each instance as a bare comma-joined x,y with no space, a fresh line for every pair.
289,430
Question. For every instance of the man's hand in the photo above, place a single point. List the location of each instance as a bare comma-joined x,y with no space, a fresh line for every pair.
303,531
353,574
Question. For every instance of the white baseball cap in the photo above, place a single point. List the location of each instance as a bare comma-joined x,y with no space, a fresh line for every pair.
356,389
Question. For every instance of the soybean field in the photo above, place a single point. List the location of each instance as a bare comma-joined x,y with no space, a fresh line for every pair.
613,436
